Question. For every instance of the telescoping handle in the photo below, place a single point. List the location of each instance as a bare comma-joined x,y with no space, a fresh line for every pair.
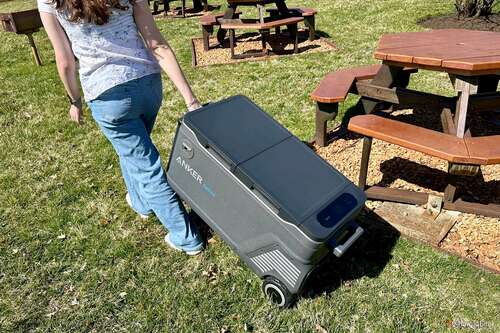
339,250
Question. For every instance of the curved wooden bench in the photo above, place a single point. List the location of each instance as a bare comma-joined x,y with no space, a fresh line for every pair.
256,24
335,87
433,143
483,150
263,28
308,14
207,26
466,153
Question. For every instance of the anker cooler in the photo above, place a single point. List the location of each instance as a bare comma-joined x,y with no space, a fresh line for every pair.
277,204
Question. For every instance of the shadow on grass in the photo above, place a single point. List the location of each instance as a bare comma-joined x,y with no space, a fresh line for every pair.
367,257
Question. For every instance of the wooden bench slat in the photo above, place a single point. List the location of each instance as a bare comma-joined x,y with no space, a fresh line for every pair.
211,19
336,85
255,24
486,148
304,11
444,146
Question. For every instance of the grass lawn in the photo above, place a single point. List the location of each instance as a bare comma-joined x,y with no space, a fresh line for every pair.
74,257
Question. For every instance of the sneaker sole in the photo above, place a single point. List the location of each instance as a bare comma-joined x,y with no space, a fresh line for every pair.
189,253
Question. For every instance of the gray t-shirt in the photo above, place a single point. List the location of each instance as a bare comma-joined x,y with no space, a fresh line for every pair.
108,54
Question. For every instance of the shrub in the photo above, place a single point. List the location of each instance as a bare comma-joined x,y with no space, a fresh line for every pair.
474,8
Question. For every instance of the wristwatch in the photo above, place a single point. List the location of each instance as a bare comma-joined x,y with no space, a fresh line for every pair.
75,102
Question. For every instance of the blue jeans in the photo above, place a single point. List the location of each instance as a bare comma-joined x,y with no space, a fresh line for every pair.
126,115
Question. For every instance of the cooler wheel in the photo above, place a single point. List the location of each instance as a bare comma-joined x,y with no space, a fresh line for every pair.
277,292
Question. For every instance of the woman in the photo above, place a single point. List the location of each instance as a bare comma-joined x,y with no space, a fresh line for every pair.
121,53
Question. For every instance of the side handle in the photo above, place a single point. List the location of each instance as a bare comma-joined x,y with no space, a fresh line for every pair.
339,250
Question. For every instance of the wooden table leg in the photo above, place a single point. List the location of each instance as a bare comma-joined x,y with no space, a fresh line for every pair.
324,113
284,11
295,35
228,14
262,13
365,161
264,36
232,42
34,49
310,22
387,77
464,86
207,31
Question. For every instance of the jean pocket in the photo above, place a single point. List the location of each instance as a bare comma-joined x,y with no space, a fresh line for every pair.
112,110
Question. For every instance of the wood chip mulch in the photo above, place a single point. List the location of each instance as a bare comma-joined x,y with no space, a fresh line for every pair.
473,237
251,42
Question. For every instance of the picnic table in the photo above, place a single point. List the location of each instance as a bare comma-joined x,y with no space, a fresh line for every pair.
472,61
25,22
197,5
231,12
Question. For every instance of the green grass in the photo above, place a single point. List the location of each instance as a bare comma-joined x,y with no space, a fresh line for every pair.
74,257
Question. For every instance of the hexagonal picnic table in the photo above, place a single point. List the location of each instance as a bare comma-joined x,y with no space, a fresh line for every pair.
472,61
230,12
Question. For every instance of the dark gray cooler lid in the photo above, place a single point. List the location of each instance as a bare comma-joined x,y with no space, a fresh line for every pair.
293,178
235,128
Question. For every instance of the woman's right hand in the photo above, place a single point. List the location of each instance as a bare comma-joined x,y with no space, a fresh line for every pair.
194,106
76,114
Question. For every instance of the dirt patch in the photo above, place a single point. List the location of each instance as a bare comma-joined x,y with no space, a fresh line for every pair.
491,23
473,237
251,42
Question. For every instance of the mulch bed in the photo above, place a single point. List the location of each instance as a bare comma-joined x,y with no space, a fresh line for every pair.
491,23
251,42
474,237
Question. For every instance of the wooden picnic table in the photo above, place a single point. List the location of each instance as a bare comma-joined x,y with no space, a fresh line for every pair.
230,12
197,4
25,22
471,58
472,61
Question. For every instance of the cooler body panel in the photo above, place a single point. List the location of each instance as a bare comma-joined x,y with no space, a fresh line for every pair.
243,220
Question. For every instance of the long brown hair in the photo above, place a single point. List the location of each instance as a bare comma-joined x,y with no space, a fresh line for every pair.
90,11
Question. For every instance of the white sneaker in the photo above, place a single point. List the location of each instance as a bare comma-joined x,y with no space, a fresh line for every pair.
189,253
129,202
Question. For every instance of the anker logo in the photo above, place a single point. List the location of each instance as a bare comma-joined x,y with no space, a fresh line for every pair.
189,170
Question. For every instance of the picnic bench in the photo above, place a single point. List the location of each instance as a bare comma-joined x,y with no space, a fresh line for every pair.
334,89
264,29
309,15
208,22
472,61
24,22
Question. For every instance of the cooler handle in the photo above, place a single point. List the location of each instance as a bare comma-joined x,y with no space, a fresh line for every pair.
339,250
